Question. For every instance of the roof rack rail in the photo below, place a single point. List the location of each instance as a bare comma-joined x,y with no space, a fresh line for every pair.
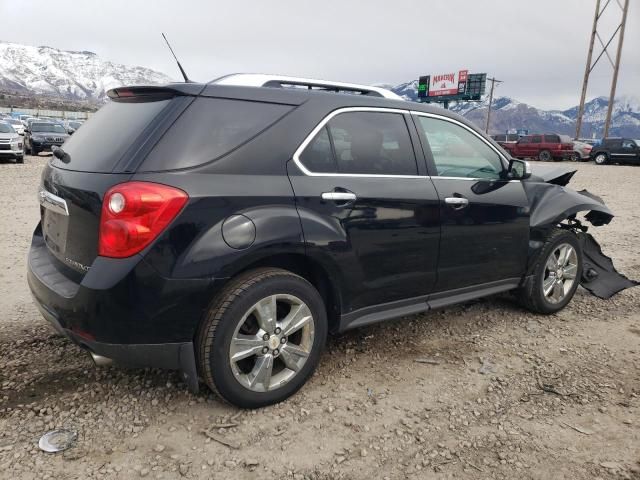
280,81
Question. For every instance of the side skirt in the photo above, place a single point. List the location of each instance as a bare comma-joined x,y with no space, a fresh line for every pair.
412,306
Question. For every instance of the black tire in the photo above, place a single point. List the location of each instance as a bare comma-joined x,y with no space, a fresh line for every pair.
213,340
34,151
601,159
27,150
575,157
20,160
545,156
531,295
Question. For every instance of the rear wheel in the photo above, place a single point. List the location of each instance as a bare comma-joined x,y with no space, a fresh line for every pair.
556,275
575,157
262,338
545,156
601,159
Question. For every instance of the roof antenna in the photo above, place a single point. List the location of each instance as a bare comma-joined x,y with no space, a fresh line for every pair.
184,74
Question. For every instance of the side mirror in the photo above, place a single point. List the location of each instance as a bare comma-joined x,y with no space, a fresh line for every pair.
518,169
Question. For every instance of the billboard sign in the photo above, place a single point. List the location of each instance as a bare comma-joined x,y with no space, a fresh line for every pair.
448,83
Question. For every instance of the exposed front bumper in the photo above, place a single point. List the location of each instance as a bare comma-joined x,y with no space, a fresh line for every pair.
17,153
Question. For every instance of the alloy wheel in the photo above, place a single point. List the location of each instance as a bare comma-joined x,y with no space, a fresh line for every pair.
560,273
271,342
601,159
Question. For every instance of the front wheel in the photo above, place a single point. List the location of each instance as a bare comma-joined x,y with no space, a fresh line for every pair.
545,156
601,159
262,338
556,275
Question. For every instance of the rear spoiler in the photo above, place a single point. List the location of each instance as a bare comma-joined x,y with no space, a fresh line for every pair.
150,92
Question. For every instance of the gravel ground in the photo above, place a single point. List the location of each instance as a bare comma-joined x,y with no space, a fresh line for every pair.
482,390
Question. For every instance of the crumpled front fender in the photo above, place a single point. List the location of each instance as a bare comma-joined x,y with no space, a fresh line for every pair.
550,204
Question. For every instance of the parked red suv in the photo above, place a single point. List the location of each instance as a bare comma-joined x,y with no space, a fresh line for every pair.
543,147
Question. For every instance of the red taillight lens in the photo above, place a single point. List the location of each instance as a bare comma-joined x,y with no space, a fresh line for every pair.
134,214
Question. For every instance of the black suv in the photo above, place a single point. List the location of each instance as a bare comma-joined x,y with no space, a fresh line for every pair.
616,150
43,136
224,229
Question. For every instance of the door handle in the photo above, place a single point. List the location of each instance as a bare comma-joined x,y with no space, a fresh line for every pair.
456,203
339,196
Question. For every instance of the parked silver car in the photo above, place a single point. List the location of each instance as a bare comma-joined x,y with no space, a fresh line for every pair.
10,143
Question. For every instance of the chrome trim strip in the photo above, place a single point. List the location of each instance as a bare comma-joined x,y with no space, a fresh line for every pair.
320,126
52,202
325,120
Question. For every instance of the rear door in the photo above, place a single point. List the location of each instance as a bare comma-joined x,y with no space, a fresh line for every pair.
535,146
485,219
366,205
629,152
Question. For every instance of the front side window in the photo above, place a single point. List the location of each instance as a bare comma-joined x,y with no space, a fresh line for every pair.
365,143
536,139
525,140
459,153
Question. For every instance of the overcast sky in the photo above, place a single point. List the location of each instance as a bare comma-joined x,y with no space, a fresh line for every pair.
538,48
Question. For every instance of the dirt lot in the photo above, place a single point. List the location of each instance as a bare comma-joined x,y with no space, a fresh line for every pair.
498,393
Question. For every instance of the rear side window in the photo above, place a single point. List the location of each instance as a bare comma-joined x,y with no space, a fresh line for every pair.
552,139
107,135
365,143
209,129
525,140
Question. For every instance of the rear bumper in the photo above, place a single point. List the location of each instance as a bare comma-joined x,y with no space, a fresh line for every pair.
122,309
170,356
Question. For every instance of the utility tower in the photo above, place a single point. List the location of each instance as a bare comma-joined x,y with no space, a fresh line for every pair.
493,82
619,31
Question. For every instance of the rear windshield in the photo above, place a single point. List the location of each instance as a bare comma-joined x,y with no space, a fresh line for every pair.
209,129
47,127
107,135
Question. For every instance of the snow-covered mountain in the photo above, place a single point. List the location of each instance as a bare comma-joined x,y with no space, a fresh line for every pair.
508,113
71,75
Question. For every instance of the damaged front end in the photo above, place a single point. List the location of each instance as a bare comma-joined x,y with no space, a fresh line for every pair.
553,205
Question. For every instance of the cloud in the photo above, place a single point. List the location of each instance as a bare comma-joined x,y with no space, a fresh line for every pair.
538,49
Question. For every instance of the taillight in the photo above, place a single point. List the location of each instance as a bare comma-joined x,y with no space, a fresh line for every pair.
134,214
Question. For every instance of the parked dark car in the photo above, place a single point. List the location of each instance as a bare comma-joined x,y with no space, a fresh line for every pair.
41,136
616,150
545,147
224,229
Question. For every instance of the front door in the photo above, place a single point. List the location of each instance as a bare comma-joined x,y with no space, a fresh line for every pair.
485,218
368,207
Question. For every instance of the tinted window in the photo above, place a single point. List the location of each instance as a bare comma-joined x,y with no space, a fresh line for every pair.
500,138
525,140
628,144
106,136
6,128
552,139
372,143
512,137
318,156
47,127
536,139
459,153
209,129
